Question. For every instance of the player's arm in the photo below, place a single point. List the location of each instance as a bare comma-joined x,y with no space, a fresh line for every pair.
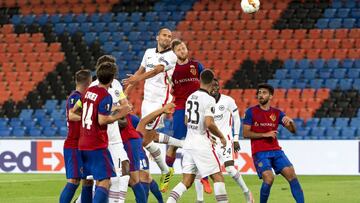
143,76
75,111
210,124
129,85
248,133
168,108
104,111
288,123
237,123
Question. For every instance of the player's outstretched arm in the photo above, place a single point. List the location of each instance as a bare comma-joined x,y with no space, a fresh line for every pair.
121,112
168,108
143,76
210,124
289,124
128,82
253,135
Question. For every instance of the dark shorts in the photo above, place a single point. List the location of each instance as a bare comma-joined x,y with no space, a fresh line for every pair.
268,160
97,163
73,163
133,148
179,126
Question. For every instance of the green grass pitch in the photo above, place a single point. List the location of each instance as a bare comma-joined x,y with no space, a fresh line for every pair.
43,188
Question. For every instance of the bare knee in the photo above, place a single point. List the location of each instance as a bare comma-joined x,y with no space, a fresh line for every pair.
74,181
125,167
289,173
217,177
86,182
268,177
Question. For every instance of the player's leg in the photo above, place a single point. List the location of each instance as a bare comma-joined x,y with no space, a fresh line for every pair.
199,189
263,167
268,179
86,191
119,184
72,161
206,185
283,165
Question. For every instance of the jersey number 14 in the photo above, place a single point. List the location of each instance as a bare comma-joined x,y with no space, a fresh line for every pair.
86,116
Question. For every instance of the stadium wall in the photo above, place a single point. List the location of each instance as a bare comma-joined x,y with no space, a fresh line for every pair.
315,157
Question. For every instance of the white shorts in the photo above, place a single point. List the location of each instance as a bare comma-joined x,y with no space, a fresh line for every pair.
149,107
224,154
118,154
203,162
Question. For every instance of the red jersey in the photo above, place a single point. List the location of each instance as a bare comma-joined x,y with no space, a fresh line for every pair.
129,132
72,138
96,100
262,121
185,81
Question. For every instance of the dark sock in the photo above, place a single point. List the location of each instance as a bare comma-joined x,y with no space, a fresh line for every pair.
146,187
101,195
264,192
170,160
68,193
154,188
139,193
86,193
296,191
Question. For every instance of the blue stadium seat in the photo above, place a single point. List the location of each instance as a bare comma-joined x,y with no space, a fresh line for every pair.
290,64
337,4
81,18
287,83
159,7
42,19
15,122
349,23
317,131
342,122
185,6
123,46
68,18
136,17
107,17
29,19
274,82
177,16
164,16
346,84
356,84
329,13
35,131
355,13
347,63
150,16
26,114
113,26
332,132
85,27
58,114
295,73
357,63
170,24
45,123
147,36
355,122
128,56
343,12
299,122
121,17
302,133
90,37
300,83
63,104
339,73
40,113
63,131
310,73
117,36
59,28
60,123
18,132
5,132
325,73
72,28
350,4
303,64
4,123
109,47
16,19
104,37
134,36
143,26
333,63
281,73
99,27
312,122
95,18
322,23
55,18
326,122
331,83
317,83
138,46
150,44
127,27
155,26
318,63
353,73
29,123
349,132
50,131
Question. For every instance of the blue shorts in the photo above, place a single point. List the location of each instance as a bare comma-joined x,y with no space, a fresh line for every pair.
133,148
97,163
179,126
73,163
144,161
268,160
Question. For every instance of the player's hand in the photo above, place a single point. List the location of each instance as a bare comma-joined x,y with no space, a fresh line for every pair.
131,80
287,120
169,108
236,146
125,109
223,141
251,2
271,134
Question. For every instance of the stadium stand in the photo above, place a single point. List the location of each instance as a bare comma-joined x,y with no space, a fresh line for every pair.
309,51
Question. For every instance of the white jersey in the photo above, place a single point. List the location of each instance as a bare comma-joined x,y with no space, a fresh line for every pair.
157,89
115,91
198,105
227,114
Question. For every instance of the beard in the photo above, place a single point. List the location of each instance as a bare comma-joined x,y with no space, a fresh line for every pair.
263,101
183,58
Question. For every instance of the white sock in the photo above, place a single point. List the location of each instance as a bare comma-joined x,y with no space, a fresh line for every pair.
165,139
123,187
237,177
78,200
220,192
156,154
115,194
199,190
176,193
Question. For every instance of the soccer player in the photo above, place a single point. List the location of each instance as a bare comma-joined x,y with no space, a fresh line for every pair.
93,142
226,117
156,67
260,125
199,155
71,153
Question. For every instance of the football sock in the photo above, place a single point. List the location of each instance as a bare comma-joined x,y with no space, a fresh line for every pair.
154,187
176,193
86,193
220,192
101,195
237,177
139,193
264,192
124,184
114,190
165,139
68,193
296,191
156,154
146,187
199,190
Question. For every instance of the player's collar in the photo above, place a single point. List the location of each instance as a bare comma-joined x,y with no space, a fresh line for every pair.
217,100
203,90
161,52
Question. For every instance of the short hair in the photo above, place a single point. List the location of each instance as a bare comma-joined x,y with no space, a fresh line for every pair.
105,58
82,76
175,43
265,86
206,76
161,29
105,73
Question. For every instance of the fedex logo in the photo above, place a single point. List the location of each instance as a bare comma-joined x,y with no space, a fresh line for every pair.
40,158
243,163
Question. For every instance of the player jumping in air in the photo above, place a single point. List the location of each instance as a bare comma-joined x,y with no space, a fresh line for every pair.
71,153
199,156
260,125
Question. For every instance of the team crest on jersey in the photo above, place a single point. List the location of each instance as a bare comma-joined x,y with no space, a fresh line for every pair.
273,117
256,124
221,107
117,93
161,59
192,69
260,164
